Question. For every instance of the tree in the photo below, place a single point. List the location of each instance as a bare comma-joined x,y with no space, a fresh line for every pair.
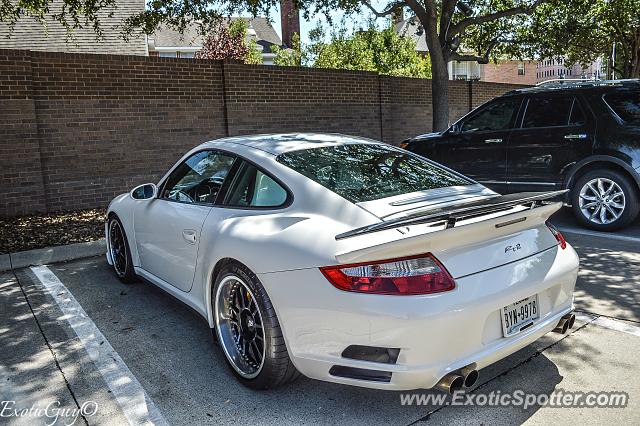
585,30
291,57
371,49
229,41
446,23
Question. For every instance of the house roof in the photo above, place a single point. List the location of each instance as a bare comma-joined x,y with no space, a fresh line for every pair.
30,34
167,37
411,27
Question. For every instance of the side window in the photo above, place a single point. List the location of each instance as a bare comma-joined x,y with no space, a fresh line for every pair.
253,188
577,117
199,178
547,111
495,116
626,104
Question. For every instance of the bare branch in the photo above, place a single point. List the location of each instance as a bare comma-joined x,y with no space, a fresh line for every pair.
389,11
518,10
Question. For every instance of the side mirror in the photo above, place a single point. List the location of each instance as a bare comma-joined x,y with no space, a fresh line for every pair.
146,191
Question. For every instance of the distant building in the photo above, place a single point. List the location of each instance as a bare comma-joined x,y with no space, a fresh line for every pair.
550,69
504,71
170,43
30,34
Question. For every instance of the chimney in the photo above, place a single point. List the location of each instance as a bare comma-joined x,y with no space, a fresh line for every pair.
290,21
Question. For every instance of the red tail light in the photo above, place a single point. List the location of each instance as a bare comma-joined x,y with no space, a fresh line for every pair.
421,274
559,237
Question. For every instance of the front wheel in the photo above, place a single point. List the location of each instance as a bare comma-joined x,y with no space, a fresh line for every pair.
605,200
248,330
119,251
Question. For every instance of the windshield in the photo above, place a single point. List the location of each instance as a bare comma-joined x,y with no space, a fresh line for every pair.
366,172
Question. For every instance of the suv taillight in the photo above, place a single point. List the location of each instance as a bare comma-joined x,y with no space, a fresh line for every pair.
559,237
413,275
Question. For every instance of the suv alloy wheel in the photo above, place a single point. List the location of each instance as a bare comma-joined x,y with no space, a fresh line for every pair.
605,200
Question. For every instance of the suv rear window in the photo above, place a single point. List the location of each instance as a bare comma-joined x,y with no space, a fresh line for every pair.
626,105
549,111
362,172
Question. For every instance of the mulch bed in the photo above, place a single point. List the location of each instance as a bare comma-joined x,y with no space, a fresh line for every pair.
53,229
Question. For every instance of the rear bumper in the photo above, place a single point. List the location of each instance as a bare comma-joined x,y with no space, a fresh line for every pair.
436,334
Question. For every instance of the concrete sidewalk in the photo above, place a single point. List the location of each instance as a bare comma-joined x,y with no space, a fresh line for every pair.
43,364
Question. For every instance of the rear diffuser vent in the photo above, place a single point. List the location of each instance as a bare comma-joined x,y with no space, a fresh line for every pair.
360,374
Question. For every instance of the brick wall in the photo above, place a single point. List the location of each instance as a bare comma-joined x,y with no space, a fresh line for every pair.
78,129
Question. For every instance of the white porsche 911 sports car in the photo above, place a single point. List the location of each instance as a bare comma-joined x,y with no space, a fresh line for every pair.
347,260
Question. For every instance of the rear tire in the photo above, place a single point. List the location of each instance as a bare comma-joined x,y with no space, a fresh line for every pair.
248,331
605,200
119,251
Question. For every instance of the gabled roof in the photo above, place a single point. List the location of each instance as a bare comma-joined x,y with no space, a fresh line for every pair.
166,37
30,34
411,27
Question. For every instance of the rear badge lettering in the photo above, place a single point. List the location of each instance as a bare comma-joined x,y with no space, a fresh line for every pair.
514,248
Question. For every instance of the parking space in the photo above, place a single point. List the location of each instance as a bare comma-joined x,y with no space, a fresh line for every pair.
169,350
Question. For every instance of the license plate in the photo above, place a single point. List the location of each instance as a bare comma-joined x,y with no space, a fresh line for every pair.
520,315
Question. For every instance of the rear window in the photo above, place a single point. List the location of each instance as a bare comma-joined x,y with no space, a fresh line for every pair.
360,172
626,105
547,111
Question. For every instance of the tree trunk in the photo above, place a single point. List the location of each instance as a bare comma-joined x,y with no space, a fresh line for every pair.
440,93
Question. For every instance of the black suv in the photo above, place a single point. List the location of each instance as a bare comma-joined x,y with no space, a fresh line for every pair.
584,136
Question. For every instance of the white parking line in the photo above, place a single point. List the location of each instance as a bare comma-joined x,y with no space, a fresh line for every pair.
136,405
609,323
581,231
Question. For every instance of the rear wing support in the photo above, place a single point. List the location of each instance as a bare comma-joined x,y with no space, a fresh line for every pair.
452,214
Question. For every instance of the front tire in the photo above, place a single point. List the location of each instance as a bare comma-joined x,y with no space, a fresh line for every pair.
605,200
119,251
248,331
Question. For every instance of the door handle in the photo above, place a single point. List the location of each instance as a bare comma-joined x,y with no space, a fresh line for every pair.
492,140
189,235
576,136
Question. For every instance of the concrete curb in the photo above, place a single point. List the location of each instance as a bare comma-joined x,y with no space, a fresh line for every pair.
55,254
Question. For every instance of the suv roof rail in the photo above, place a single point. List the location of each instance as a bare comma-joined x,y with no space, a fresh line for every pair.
566,83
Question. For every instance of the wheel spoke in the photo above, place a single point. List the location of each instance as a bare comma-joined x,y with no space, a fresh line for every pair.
616,205
589,205
603,215
613,212
600,187
588,197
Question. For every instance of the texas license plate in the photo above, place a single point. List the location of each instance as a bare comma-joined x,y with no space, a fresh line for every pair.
520,315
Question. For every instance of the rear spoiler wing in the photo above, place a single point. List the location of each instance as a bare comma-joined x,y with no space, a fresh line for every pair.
451,215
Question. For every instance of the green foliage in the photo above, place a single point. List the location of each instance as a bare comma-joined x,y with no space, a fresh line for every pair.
369,49
288,57
585,30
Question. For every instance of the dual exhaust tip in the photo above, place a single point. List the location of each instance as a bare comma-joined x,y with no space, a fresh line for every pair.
565,324
465,377
468,376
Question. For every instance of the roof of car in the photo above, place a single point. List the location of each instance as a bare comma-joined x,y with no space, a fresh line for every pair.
576,85
278,143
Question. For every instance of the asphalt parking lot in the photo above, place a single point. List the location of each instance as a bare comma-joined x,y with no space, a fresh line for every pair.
139,342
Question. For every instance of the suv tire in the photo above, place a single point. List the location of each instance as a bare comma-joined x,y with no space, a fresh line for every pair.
605,200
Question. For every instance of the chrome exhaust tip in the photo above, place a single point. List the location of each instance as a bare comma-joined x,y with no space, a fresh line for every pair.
562,327
470,374
571,319
450,383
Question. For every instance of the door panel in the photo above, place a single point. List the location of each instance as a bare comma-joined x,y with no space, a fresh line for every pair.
167,235
478,147
168,228
556,132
